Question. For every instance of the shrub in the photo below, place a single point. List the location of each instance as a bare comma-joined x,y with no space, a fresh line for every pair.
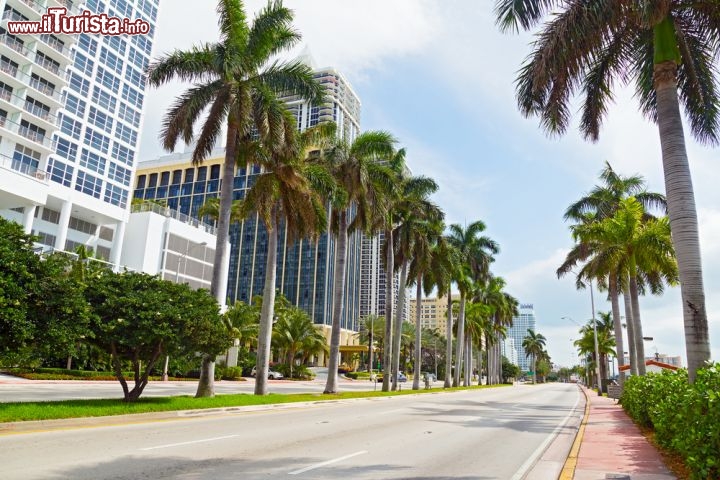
685,417
232,373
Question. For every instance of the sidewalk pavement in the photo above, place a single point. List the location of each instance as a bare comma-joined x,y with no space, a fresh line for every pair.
612,446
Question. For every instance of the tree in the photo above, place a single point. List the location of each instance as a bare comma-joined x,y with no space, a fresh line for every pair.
233,80
418,221
141,318
475,255
668,48
509,370
600,203
290,193
243,321
360,177
633,245
294,332
534,345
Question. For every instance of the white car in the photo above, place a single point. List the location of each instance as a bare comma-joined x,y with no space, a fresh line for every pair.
272,374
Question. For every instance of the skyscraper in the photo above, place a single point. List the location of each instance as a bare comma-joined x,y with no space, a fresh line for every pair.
70,120
521,324
305,270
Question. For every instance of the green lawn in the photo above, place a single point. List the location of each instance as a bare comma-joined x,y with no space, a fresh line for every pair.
25,411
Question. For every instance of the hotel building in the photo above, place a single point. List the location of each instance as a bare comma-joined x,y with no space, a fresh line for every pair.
517,332
305,270
70,120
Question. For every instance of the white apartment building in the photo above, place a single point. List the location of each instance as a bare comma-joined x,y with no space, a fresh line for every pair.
70,121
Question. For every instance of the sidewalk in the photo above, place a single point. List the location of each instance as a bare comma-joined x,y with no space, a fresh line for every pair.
612,446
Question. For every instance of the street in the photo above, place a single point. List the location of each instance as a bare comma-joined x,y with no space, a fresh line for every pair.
477,434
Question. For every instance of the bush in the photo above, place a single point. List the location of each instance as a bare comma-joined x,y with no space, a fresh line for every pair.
232,373
685,417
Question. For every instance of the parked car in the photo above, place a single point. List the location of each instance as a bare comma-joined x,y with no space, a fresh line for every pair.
402,377
272,374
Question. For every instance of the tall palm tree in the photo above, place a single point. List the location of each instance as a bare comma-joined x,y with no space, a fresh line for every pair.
230,77
634,245
417,218
533,344
290,191
476,253
428,228
243,321
668,48
361,174
600,203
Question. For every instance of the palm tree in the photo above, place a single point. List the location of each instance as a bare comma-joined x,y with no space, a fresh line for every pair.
418,219
361,178
476,253
600,203
428,228
231,78
290,190
211,209
372,332
633,245
243,321
668,48
534,344
294,332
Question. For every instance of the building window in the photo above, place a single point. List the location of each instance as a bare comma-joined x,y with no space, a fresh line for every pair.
119,174
83,64
97,140
66,149
124,154
92,161
111,60
100,119
104,99
152,182
25,158
74,105
60,172
108,80
116,195
88,184
141,181
87,43
164,178
52,216
69,126
82,226
79,84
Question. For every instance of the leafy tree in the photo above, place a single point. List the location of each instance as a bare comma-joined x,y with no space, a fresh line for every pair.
141,318
295,334
669,49
19,268
234,81
509,370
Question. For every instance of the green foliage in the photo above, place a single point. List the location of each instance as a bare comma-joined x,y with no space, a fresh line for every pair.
298,372
685,416
509,370
228,373
140,318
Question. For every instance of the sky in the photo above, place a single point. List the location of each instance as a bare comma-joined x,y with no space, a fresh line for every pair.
440,77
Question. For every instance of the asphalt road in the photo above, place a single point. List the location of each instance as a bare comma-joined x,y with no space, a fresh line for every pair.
475,434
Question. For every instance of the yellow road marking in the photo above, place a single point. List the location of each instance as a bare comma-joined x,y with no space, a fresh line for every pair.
568,470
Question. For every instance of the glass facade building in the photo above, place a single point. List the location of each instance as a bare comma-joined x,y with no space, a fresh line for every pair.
521,324
305,269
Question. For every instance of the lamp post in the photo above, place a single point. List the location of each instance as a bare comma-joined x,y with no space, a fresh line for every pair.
188,249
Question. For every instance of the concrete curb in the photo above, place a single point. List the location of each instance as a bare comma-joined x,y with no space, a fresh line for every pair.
568,470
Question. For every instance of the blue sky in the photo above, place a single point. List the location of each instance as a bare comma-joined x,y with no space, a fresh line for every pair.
439,76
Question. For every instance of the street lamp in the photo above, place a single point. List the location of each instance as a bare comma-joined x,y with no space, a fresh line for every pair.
188,249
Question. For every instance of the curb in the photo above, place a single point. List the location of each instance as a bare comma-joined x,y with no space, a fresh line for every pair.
568,470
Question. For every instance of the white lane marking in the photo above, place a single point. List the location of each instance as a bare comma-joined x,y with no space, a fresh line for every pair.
334,460
530,462
189,443
390,411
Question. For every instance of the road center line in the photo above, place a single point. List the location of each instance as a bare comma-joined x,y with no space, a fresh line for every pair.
322,464
189,443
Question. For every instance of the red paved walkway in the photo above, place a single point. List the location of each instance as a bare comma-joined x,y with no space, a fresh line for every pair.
614,448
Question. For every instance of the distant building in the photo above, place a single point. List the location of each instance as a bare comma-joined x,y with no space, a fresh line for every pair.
433,314
521,324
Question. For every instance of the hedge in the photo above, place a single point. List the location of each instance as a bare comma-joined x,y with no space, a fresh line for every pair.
685,417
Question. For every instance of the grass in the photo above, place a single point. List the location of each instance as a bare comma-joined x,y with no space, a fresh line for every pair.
27,411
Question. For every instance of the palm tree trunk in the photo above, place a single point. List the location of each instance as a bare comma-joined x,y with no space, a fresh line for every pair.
338,298
387,342
619,344
418,334
468,360
479,367
460,341
683,216
398,325
223,221
267,312
630,330
206,383
534,370
448,345
637,325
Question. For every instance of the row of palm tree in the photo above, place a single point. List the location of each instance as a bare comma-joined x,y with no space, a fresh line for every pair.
624,249
314,181
606,343
669,50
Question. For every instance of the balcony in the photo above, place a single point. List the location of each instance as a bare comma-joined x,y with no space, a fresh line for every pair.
21,184
13,44
22,80
22,132
48,119
56,45
168,212
47,64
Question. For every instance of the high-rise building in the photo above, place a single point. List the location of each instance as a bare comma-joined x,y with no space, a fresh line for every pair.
305,269
433,313
373,280
70,120
521,324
